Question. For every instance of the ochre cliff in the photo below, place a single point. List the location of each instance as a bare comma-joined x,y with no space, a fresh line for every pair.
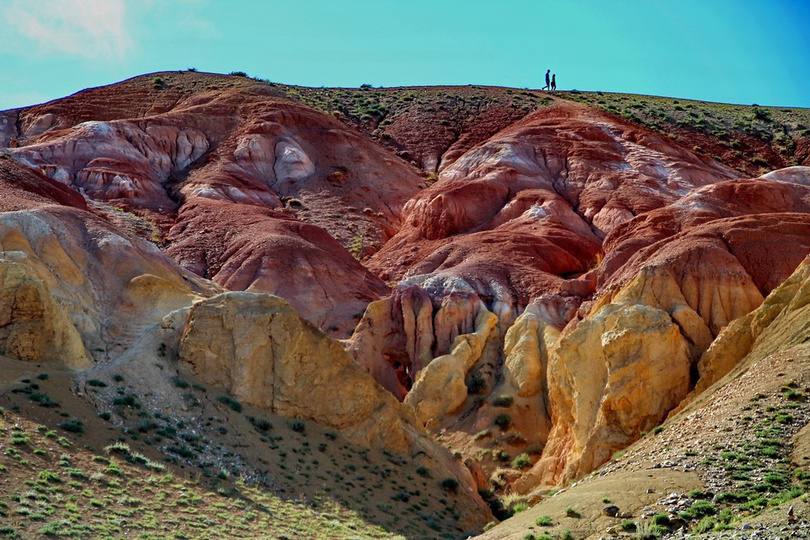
257,348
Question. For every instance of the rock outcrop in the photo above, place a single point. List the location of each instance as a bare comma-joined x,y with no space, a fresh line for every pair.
218,145
617,374
257,348
76,291
553,281
440,388
512,200
779,323
268,251
402,334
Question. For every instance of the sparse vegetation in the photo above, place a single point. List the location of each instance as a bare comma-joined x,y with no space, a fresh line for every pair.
450,484
503,401
543,521
503,421
230,402
73,425
522,461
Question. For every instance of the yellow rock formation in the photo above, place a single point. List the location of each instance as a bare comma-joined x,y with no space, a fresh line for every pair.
256,347
440,388
782,321
701,305
618,373
33,325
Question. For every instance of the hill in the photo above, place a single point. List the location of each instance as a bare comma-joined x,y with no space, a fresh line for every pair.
526,284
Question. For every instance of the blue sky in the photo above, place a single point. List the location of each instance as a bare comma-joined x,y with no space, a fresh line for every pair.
734,51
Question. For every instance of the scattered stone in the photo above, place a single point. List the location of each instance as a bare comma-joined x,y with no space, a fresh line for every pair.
611,510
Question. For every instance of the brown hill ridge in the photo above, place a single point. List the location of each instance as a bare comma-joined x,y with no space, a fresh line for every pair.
532,281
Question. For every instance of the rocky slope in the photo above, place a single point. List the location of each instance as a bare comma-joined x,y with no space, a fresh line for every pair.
534,281
732,462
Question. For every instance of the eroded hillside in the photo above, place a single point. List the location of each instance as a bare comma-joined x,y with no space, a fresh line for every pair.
526,284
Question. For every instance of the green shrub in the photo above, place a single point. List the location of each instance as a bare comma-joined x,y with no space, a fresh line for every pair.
73,426
705,525
181,451
261,424
759,161
543,521
44,400
127,401
521,462
449,484
117,448
572,513
503,401
180,383
298,426
519,507
96,383
230,402
423,472
729,497
503,421
701,509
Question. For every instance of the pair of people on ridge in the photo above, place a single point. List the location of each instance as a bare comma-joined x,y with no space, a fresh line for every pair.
551,84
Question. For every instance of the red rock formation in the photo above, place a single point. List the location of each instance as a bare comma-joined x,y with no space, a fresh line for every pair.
593,222
528,208
209,142
635,242
247,247
22,189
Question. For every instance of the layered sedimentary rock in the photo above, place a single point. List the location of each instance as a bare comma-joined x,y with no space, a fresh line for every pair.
208,148
75,289
402,334
781,322
618,373
760,206
265,250
558,253
440,388
257,348
79,289
537,198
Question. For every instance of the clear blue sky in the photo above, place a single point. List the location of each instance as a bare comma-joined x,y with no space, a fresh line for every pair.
736,51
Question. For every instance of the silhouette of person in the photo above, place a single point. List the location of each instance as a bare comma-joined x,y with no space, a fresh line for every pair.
548,82
553,82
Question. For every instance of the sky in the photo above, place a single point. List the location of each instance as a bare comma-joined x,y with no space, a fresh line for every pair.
731,51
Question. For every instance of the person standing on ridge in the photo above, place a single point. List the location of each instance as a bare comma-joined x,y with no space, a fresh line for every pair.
553,82
548,82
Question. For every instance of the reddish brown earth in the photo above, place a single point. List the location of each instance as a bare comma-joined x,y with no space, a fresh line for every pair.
761,223
173,153
22,188
267,250
527,209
